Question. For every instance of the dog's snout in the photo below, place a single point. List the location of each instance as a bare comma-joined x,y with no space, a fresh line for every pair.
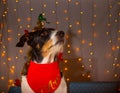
61,33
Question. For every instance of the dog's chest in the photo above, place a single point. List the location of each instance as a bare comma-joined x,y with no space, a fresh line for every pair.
44,77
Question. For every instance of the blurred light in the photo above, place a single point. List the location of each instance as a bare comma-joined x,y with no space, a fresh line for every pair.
56,2
113,48
89,59
83,41
115,75
69,0
13,67
65,61
77,23
68,79
15,10
68,45
53,12
108,71
91,53
31,9
65,68
44,5
93,24
77,49
94,15
81,13
9,59
28,19
66,18
90,66
90,44
68,51
17,1
89,76
57,22
79,31
28,26
9,39
19,19
82,66
107,33
108,24
80,59
65,11
94,5
76,3
70,26
2,78
20,51
16,57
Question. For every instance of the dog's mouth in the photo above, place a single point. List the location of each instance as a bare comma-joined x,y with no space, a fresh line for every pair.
58,42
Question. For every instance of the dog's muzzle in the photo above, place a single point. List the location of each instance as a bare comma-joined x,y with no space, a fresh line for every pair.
60,34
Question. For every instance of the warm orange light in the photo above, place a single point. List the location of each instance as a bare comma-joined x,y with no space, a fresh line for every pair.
65,61
9,59
79,31
115,75
44,5
113,48
31,9
77,49
80,59
89,76
95,34
65,11
21,51
9,39
70,26
90,44
19,19
77,23
57,22
76,3
93,24
94,15
28,26
56,2
28,19
68,51
69,0
53,12
68,45
83,41
94,5
17,1
65,68
66,18
3,54
68,79
2,78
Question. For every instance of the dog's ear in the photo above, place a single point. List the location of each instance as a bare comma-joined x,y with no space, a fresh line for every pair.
22,41
27,37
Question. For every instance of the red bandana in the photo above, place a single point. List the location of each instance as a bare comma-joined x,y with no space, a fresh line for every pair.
44,78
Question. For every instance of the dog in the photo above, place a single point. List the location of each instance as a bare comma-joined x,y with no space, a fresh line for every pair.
42,72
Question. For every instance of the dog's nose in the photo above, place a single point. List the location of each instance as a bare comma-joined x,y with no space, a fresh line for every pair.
61,33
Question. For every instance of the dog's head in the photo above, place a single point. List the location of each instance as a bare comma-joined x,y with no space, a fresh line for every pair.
46,42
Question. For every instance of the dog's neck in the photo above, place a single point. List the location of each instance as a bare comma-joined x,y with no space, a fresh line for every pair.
49,59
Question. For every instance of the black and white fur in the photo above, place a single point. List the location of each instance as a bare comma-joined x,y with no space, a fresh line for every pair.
45,46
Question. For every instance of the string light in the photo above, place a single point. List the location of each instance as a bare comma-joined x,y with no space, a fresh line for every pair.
78,23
